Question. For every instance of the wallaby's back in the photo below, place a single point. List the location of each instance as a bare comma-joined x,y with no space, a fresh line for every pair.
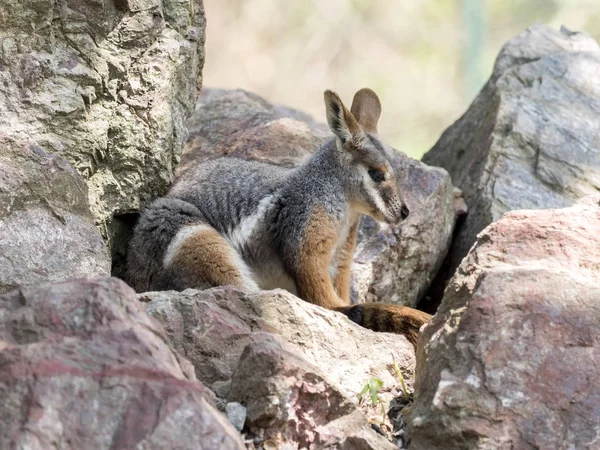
220,192
226,190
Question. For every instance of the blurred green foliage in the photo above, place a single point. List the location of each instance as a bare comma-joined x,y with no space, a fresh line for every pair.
418,55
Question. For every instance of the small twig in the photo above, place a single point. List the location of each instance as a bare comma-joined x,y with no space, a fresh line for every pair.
400,377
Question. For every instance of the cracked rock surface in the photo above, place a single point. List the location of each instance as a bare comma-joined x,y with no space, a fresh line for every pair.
47,232
511,359
531,138
293,405
213,327
295,367
108,84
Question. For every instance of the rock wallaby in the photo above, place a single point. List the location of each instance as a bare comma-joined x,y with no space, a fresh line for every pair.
256,226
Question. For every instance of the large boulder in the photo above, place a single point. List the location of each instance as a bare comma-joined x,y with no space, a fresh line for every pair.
512,357
47,232
392,264
295,367
83,366
242,124
108,84
213,327
530,139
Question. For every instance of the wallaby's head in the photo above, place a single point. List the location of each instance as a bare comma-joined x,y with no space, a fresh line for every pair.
370,181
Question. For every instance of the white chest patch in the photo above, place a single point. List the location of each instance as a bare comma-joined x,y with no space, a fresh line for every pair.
240,235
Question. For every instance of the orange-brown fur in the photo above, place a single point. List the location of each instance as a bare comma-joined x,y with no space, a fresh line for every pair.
312,278
389,318
208,245
315,284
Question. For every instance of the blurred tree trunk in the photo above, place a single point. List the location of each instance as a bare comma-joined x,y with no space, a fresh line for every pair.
472,13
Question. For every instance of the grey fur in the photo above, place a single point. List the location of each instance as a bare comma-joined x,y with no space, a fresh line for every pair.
153,233
225,192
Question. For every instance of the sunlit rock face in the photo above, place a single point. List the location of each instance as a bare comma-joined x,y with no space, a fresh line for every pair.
108,84
530,139
511,358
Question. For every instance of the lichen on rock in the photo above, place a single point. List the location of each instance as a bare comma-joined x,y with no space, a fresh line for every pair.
108,85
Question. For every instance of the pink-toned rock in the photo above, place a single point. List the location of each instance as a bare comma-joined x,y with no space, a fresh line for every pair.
241,124
511,360
83,366
213,327
292,404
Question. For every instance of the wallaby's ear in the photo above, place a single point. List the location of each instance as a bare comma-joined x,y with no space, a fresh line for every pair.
340,120
366,108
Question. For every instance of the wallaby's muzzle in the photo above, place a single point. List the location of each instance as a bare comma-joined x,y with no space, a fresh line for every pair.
395,215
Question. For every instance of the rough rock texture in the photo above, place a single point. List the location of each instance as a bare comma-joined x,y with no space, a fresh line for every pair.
47,232
392,264
242,124
292,404
511,359
213,327
82,366
531,138
106,83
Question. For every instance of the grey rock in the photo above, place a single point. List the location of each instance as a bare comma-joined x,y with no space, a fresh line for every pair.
242,124
47,232
391,264
511,359
236,414
108,84
530,139
83,366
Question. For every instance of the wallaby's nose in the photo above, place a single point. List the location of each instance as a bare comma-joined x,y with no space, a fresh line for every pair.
404,212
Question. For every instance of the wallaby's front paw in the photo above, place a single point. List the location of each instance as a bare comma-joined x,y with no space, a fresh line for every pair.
390,318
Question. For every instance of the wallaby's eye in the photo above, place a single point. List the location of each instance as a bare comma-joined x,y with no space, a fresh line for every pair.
376,175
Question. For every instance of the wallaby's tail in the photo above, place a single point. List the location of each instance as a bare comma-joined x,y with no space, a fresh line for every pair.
388,318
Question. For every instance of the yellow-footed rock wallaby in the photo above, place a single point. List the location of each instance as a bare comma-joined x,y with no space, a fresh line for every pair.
259,226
